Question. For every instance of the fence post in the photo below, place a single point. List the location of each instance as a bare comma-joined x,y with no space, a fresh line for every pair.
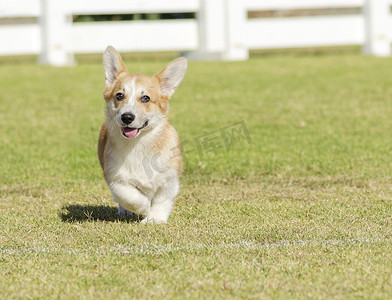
377,14
236,17
211,25
221,31
55,23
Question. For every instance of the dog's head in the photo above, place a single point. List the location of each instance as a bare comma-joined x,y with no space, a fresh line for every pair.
135,102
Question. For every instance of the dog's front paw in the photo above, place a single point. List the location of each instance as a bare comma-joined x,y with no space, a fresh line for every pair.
149,220
124,212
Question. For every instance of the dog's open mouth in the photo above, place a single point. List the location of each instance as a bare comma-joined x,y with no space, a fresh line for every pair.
132,132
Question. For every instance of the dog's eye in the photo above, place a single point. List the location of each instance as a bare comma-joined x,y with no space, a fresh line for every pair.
145,98
119,96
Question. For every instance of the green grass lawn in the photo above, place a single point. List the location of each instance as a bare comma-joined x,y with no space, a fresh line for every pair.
298,208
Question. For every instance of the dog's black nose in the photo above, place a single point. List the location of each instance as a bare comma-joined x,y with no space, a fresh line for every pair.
127,118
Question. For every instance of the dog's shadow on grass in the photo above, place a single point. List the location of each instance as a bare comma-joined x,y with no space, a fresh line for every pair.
90,213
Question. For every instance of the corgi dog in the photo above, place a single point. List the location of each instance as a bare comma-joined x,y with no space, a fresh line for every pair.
139,151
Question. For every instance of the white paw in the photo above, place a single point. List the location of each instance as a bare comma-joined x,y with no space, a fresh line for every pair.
150,220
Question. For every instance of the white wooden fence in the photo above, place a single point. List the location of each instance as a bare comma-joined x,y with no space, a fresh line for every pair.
222,29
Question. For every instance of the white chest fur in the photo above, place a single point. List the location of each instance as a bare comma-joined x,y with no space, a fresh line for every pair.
135,163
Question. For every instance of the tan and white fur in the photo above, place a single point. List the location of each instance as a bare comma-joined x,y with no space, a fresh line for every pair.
138,149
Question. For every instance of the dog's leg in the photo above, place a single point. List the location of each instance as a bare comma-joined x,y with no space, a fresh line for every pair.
162,202
130,198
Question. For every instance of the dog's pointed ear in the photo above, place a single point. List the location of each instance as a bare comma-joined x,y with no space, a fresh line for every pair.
171,76
113,65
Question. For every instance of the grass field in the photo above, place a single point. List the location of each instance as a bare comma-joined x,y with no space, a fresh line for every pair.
300,208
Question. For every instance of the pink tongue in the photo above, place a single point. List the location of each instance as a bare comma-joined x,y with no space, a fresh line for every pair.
130,132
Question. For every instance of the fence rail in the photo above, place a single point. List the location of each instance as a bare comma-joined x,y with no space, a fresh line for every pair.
301,4
221,30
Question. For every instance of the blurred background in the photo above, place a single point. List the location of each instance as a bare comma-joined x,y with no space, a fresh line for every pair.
58,31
